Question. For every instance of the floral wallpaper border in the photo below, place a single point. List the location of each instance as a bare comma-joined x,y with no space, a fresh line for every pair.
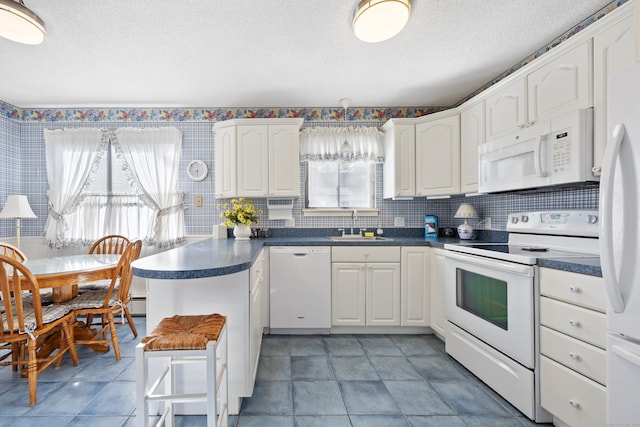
206,114
309,114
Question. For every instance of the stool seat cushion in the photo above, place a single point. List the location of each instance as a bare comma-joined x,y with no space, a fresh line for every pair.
184,332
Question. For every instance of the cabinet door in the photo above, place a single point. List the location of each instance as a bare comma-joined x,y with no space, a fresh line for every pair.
225,171
414,290
400,165
438,319
438,157
284,161
255,317
383,294
472,134
561,86
506,110
613,51
348,294
253,161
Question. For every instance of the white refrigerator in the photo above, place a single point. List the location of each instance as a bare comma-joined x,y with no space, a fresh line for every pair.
620,248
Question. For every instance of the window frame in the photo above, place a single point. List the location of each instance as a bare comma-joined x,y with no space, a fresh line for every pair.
371,210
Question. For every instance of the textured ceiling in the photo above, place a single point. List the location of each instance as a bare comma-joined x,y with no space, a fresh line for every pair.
276,53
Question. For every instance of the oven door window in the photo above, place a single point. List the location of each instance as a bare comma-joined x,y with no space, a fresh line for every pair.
482,296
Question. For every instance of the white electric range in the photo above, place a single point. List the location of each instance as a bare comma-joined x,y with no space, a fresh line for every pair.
492,297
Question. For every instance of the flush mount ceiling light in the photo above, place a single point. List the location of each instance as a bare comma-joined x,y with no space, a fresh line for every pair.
20,24
379,20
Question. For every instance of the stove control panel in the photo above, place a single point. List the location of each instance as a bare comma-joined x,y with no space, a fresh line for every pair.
568,223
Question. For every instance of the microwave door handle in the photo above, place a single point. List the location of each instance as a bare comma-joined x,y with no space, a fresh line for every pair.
606,221
538,157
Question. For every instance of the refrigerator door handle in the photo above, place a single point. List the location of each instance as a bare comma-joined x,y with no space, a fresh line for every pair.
626,355
614,289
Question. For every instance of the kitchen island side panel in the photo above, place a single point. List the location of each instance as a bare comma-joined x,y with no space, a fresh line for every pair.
227,295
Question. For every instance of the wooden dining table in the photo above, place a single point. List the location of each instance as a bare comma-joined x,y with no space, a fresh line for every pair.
63,274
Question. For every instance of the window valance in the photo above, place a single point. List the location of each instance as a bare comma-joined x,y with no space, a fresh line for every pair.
342,143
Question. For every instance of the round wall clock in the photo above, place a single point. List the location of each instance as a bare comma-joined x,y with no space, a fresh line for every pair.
197,170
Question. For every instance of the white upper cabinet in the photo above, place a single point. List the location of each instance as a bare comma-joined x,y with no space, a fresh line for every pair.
284,161
225,152
257,158
252,162
555,86
562,85
399,170
613,51
438,156
422,156
506,110
472,134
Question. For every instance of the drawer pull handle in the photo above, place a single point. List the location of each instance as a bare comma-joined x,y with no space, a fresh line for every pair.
574,289
574,356
574,404
574,323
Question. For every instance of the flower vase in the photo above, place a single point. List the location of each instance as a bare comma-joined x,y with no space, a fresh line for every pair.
242,232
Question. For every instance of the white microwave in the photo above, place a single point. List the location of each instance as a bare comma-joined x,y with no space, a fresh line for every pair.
553,152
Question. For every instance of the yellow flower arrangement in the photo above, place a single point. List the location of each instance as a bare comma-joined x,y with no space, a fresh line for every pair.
241,211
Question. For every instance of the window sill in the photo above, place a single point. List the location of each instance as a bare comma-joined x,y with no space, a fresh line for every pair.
338,212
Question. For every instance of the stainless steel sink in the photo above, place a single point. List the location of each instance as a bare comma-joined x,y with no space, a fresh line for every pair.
358,238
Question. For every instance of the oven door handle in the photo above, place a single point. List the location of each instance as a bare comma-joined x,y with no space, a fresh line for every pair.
511,267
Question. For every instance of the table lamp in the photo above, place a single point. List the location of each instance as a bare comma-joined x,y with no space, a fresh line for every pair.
17,207
466,211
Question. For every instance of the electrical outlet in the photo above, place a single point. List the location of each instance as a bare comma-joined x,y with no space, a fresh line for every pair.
398,221
198,201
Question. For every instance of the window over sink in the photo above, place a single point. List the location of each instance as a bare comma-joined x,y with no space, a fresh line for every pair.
340,168
338,184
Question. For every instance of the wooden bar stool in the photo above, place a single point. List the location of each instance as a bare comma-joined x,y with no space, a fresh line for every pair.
184,340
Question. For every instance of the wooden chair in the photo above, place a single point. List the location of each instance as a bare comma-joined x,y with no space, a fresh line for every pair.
11,251
104,303
113,244
26,326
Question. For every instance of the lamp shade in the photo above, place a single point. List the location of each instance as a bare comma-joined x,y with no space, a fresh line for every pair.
17,207
20,24
466,211
379,20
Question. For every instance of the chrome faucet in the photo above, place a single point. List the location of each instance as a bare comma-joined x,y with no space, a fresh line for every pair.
354,218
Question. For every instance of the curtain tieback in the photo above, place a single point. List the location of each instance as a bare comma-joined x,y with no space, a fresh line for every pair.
170,210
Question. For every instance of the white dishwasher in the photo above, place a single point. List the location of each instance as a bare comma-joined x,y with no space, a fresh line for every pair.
300,282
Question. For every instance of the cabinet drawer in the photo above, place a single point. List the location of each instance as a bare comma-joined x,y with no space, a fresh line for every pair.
365,254
572,353
581,289
574,399
581,323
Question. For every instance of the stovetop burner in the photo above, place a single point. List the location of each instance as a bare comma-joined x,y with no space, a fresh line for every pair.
537,235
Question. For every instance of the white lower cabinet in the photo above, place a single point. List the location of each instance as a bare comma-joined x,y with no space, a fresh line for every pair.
257,274
365,286
383,294
415,295
438,318
348,290
574,399
572,347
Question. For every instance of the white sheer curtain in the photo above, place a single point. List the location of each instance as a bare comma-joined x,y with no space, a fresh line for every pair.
72,158
342,143
151,160
100,214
